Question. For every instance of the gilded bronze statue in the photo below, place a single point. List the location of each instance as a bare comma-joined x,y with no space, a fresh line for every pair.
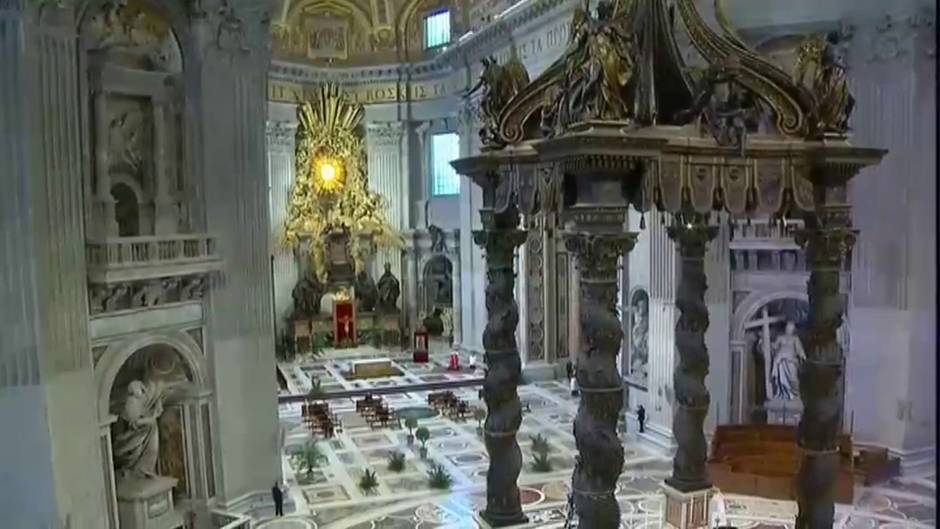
499,84
829,84
599,68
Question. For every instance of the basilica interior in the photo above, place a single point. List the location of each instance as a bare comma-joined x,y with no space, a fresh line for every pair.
464,264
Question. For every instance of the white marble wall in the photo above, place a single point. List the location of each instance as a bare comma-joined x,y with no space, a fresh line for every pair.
46,385
893,304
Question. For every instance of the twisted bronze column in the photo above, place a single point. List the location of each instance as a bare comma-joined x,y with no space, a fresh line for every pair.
692,234
600,450
499,239
827,239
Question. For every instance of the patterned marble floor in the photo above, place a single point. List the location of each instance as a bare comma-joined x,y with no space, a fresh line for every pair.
329,497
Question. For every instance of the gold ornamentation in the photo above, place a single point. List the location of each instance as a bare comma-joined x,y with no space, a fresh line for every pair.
829,84
599,68
499,84
329,195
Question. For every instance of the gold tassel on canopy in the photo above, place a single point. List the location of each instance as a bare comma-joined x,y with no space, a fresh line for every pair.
329,194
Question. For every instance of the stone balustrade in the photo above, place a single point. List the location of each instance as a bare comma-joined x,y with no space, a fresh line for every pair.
149,257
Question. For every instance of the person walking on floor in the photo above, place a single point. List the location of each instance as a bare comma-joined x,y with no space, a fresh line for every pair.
278,495
572,380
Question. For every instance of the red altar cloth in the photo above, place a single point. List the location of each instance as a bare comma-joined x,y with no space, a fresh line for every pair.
344,323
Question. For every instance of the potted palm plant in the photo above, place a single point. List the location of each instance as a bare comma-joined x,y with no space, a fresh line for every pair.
423,434
411,423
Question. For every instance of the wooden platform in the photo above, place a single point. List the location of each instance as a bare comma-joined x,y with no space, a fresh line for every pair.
763,460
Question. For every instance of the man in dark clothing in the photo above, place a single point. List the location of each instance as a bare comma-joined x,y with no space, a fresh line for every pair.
569,367
641,417
278,500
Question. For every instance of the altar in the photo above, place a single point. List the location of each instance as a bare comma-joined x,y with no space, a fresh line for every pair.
374,368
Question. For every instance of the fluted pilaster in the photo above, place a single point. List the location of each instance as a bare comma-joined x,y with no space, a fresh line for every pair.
600,458
385,168
280,138
499,239
692,235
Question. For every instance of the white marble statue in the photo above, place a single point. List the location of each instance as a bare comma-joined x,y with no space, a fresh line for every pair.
639,357
136,447
784,372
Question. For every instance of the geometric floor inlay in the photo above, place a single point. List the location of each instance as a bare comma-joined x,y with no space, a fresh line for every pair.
330,499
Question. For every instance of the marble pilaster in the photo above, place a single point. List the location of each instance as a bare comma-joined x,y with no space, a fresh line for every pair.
46,381
385,145
285,268
228,84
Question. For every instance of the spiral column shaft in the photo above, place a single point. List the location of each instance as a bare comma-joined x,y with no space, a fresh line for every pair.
600,451
689,472
499,239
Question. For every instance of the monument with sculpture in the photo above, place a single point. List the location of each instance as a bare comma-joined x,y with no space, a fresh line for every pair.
621,120
335,224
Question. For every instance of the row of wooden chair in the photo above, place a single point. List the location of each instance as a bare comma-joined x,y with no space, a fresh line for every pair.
377,413
321,420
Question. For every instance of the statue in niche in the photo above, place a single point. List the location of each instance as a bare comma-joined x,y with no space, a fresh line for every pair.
389,290
146,441
639,336
137,447
307,294
434,323
444,293
438,242
366,292
784,372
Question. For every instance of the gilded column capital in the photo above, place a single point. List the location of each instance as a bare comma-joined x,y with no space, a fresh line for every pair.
692,236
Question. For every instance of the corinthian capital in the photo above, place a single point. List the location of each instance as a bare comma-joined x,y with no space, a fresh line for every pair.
385,132
598,253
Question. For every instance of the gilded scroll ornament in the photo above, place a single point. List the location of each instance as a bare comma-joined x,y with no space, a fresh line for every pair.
829,84
499,83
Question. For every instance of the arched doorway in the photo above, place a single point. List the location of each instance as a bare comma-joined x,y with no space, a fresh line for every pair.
126,210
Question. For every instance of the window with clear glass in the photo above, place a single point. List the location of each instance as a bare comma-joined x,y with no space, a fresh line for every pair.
437,29
445,148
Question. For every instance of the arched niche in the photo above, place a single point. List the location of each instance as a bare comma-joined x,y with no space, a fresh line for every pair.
133,56
638,337
135,34
126,209
171,367
437,279
757,323
117,354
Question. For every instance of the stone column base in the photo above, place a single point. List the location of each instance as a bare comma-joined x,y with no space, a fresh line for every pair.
538,371
147,503
485,521
687,510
